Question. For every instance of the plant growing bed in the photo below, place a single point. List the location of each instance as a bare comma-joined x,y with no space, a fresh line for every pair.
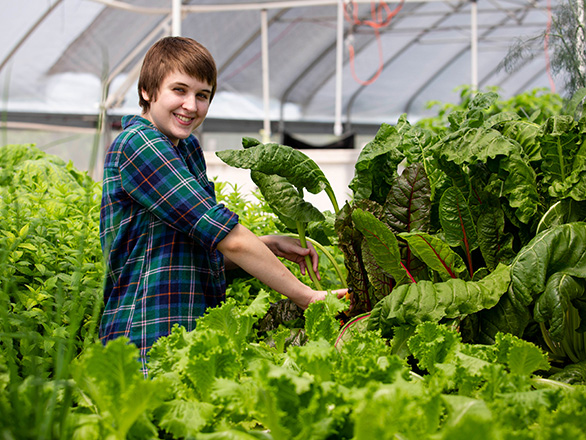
464,248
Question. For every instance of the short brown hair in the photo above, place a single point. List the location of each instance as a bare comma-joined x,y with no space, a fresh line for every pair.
174,54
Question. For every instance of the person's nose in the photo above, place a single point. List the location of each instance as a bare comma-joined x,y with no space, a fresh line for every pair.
190,103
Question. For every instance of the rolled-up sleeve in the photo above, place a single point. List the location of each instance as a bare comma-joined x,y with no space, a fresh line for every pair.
155,175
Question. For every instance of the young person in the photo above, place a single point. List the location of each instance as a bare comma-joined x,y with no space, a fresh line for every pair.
165,238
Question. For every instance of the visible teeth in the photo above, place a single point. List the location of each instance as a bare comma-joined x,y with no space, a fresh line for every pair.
183,118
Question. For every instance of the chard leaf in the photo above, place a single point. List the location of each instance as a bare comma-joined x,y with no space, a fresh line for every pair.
323,231
285,200
541,272
412,304
469,146
350,243
553,305
382,243
408,204
284,161
495,245
507,316
526,134
376,166
437,254
563,211
560,143
572,374
520,187
457,222
380,281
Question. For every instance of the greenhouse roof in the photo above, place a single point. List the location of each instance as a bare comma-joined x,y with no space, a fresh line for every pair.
321,65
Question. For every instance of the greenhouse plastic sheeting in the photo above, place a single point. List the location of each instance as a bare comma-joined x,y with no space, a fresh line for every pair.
74,56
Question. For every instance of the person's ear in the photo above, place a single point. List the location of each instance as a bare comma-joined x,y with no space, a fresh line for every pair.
145,95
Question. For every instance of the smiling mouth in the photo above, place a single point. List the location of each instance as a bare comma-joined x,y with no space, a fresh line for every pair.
184,119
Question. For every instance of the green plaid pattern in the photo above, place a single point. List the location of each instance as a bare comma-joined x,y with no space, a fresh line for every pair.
159,228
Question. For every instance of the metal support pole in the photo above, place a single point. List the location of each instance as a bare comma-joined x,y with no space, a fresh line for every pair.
266,134
176,21
339,65
474,45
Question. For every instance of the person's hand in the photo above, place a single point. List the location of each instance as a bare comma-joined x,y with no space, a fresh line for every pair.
318,295
290,248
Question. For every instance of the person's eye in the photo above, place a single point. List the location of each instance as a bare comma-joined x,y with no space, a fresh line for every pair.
179,89
203,96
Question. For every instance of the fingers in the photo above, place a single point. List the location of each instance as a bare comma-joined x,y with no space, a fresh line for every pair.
341,293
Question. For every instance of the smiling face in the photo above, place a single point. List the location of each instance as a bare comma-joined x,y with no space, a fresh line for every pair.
180,106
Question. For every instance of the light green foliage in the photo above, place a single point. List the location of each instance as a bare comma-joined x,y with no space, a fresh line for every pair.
255,213
112,386
50,258
225,381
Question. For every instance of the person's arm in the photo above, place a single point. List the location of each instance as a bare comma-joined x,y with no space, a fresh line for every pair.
288,248
243,248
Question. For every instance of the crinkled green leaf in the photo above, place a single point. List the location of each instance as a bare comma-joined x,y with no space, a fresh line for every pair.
472,145
520,187
376,166
432,343
321,321
282,160
463,408
555,252
552,306
560,145
526,134
317,357
184,419
411,304
285,200
111,378
212,355
235,434
233,321
520,357
399,410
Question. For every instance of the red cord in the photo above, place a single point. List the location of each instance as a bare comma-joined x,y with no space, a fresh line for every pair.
377,12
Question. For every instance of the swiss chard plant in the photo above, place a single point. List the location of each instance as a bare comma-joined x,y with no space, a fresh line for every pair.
282,174
437,220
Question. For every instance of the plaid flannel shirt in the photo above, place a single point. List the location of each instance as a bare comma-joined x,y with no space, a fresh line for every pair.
159,228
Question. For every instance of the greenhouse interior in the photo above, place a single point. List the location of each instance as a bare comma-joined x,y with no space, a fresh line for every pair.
431,152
